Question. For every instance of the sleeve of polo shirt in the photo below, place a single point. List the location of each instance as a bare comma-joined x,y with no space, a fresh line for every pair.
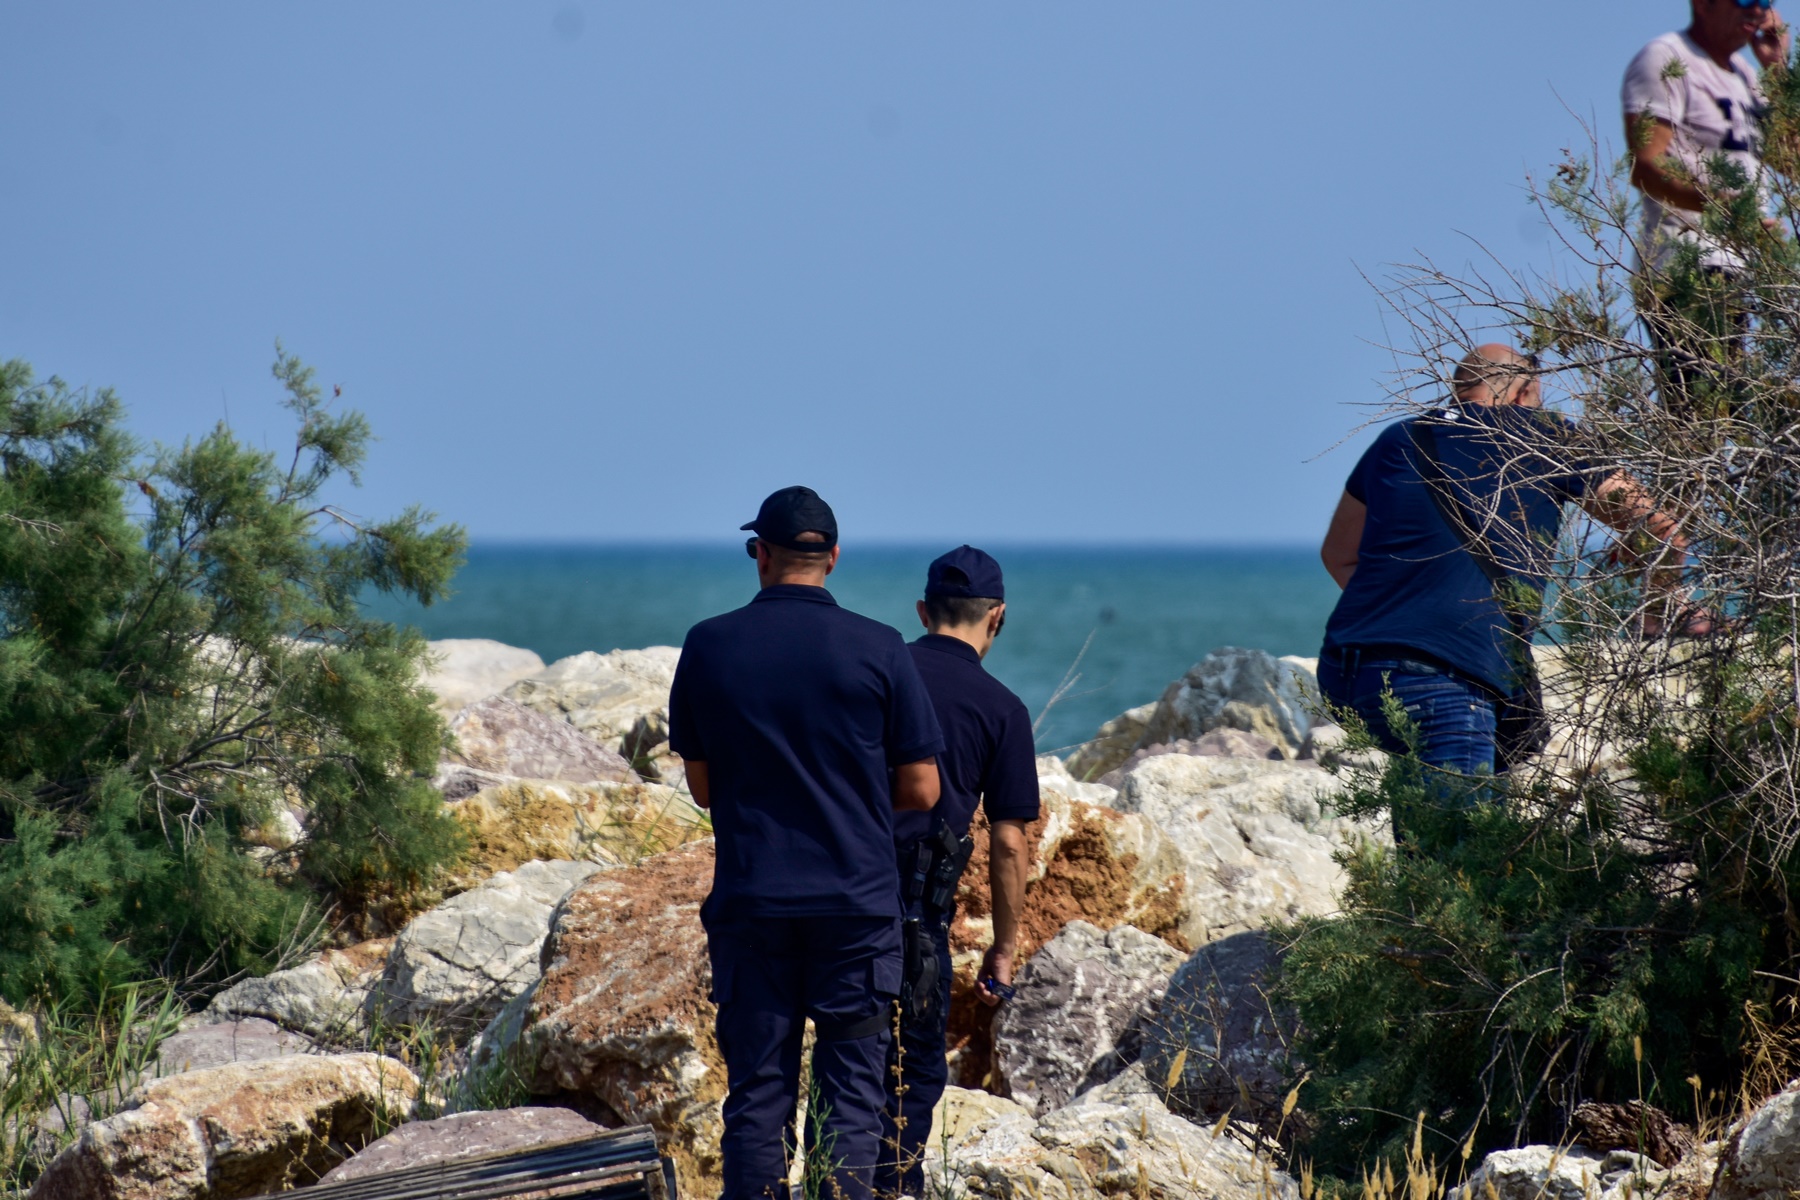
912,725
1357,486
684,734
1009,787
1646,92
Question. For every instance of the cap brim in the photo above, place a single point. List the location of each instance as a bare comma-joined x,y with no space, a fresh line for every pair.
751,526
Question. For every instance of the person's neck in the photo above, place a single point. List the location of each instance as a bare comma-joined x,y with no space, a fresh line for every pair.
975,636
796,579
1717,51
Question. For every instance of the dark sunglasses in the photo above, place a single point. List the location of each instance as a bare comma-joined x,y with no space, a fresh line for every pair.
750,545
1765,5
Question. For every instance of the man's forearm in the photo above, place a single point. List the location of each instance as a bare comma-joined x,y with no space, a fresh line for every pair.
1009,863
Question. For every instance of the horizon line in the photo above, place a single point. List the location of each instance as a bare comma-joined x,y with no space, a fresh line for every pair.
1092,545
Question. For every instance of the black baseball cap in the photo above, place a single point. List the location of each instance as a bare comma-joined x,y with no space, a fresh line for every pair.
792,511
965,571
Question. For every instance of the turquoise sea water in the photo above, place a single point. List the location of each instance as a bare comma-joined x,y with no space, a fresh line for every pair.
1152,613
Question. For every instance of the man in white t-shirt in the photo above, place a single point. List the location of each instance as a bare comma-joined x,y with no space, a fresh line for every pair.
1691,98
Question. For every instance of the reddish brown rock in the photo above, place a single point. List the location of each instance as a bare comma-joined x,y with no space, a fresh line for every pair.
237,1130
464,1135
621,1014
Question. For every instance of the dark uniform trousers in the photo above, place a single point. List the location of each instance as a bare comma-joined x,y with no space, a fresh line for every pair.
915,1083
769,975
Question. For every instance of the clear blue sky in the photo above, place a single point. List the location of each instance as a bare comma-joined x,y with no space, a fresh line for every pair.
1020,270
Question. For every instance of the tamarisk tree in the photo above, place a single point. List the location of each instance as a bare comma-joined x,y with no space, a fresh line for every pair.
183,664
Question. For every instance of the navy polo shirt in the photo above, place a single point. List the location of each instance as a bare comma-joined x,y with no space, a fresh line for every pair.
1415,586
989,754
800,709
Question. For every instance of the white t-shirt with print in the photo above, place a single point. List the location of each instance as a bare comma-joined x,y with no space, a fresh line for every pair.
1715,110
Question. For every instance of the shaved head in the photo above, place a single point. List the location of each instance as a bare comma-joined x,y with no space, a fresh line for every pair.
1496,374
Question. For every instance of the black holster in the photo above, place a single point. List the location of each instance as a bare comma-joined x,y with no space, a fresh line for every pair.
930,870
920,983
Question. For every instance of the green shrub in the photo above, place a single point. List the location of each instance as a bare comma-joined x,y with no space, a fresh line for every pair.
1553,946
183,653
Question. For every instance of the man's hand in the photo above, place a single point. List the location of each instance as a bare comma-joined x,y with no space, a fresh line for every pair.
1770,43
996,964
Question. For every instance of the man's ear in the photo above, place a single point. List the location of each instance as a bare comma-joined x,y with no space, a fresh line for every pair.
996,615
831,561
924,616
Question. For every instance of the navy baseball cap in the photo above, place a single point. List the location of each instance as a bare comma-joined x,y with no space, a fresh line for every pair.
965,571
792,511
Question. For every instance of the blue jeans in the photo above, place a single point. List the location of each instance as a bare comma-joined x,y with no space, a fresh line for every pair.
1455,717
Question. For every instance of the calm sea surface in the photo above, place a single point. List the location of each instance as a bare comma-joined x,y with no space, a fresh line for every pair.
1151,613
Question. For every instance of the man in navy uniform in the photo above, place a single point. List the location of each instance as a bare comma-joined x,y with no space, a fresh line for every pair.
988,758
803,728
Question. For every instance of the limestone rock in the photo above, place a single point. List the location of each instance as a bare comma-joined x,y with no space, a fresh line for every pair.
605,695
1220,743
504,737
1116,1140
463,671
1256,838
1234,688
463,960
962,1109
1217,1020
621,1014
1761,1156
1112,743
1077,997
1563,1173
216,1045
237,1130
518,820
463,1135
323,999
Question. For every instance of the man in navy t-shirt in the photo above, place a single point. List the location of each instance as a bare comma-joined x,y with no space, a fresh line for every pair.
803,728
1419,614
990,759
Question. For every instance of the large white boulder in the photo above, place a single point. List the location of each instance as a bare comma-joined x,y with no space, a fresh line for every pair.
238,1130
464,671
603,695
1256,838
1564,1173
323,998
1235,688
501,737
1116,1140
462,961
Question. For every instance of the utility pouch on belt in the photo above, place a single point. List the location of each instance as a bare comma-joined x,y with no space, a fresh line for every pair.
919,984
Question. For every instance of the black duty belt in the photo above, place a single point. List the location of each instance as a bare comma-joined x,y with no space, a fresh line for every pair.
619,1165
